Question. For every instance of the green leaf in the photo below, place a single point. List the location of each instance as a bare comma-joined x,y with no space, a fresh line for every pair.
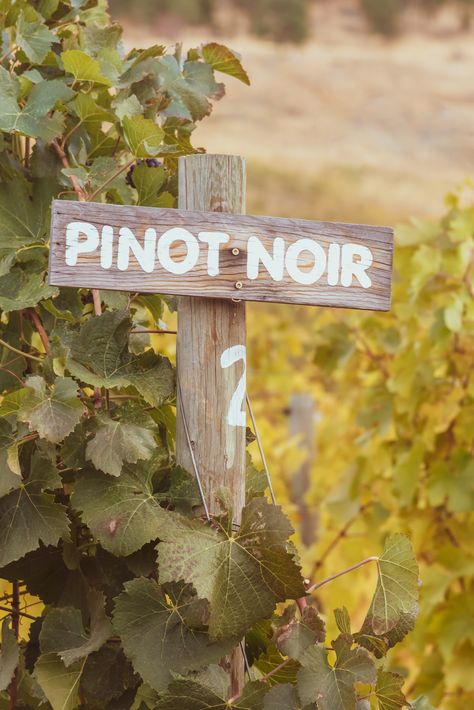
282,697
294,638
23,289
122,513
243,575
223,59
389,691
34,39
9,655
397,589
32,120
343,620
83,67
143,136
210,690
422,703
99,355
10,472
163,631
147,182
117,442
59,684
52,413
333,686
63,631
153,376
28,516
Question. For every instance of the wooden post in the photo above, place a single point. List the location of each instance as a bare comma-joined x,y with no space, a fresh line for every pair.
302,423
211,359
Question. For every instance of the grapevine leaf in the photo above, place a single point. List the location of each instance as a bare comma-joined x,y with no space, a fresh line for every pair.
53,414
153,376
243,575
59,684
83,67
29,516
106,673
294,638
32,120
9,655
223,59
343,620
379,645
389,691
143,136
63,631
122,513
23,289
333,686
35,39
148,181
396,595
283,697
99,356
10,473
116,442
98,351
422,703
163,631
210,690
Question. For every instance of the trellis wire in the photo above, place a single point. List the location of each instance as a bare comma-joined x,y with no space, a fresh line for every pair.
260,448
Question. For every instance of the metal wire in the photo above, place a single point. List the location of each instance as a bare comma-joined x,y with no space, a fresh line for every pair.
246,661
203,499
191,451
260,448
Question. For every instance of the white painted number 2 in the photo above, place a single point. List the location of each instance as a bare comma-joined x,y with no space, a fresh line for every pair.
236,415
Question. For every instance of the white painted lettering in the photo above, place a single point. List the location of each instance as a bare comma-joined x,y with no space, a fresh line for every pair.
143,253
76,246
334,264
213,241
294,253
106,246
236,415
178,234
274,264
357,269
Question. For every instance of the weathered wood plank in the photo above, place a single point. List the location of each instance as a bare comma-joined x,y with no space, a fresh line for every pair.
258,251
211,360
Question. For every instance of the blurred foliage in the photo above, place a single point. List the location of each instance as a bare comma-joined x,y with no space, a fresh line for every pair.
280,20
384,16
395,400
134,598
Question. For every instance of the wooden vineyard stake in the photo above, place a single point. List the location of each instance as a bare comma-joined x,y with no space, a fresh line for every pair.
211,358
215,258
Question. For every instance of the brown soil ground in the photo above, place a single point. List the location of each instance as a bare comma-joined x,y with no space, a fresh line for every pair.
349,125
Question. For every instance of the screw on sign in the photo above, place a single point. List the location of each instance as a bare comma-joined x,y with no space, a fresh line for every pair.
216,258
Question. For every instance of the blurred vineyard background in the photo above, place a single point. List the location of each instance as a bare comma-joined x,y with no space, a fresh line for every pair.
361,110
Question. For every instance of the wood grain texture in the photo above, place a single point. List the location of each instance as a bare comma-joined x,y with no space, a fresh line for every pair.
233,256
206,329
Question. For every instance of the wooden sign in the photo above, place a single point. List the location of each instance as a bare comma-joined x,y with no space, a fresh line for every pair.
220,255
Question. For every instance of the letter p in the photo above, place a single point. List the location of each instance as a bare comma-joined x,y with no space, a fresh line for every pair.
76,246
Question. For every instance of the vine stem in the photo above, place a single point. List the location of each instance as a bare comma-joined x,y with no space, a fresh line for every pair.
110,179
340,536
318,585
264,679
19,352
40,329
15,612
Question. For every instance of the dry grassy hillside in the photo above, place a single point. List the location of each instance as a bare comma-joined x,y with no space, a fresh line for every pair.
348,125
